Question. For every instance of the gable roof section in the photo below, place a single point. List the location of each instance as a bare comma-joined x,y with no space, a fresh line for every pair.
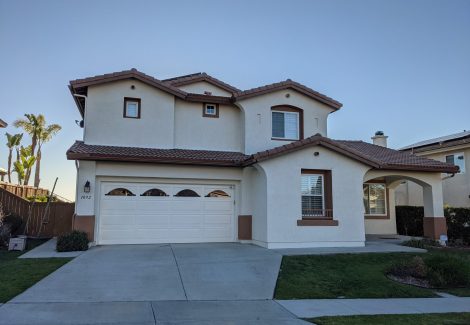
447,141
197,77
289,84
374,156
3,124
80,87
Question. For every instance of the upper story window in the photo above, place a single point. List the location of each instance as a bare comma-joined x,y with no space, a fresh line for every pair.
457,159
375,199
210,110
287,123
131,107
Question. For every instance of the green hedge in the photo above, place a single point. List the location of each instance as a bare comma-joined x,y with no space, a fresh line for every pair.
410,222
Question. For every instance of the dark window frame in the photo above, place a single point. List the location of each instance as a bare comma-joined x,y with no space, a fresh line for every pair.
327,195
139,105
204,114
387,201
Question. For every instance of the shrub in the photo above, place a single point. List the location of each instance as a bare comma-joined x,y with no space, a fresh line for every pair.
74,241
447,271
410,223
15,222
421,243
458,224
414,267
410,220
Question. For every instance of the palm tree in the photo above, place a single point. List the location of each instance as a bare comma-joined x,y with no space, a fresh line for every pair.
24,164
32,125
44,135
12,141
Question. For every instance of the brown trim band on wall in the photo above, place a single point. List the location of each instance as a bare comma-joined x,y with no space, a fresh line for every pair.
245,227
131,99
290,108
209,115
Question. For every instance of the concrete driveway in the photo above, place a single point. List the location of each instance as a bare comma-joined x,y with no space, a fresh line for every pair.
225,271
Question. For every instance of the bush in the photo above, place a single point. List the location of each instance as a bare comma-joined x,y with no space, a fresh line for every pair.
447,271
458,224
410,223
410,220
74,241
414,267
15,223
421,243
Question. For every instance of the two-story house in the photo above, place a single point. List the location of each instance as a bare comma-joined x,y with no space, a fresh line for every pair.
193,159
454,149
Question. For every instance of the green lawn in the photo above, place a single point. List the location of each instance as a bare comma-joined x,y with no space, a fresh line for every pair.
418,319
349,276
17,275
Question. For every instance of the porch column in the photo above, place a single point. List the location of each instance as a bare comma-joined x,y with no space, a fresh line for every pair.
434,222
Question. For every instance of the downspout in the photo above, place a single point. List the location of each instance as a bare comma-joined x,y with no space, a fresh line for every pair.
448,176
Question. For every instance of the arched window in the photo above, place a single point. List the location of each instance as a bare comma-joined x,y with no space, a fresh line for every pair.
120,191
217,193
187,193
154,192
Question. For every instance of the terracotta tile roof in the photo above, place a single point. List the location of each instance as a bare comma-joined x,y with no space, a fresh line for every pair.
3,124
375,156
82,151
80,87
200,76
286,85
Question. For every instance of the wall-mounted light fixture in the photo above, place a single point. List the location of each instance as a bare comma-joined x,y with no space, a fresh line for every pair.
87,187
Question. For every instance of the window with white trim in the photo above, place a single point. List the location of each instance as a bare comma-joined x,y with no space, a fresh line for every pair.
285,125
313,195
457,159
375,199
132,107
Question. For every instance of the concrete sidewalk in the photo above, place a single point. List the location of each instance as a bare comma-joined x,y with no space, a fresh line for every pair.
309,308
260,312
47,250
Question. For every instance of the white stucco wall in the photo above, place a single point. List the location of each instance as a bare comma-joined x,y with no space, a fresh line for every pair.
194,131
105,125
284,200
201,86
85,202
258,124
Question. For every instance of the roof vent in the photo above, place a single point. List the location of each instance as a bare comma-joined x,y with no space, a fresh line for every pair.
380,139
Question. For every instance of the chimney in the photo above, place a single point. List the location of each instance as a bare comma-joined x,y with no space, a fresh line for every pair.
379,139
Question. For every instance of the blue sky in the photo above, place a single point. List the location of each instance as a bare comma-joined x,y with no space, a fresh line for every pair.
399,66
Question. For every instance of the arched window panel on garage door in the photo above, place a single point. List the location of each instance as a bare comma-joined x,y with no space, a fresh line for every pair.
187,193
218,193
120,191
154,192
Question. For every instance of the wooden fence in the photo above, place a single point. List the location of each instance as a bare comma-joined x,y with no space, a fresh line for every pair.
57,221
24,191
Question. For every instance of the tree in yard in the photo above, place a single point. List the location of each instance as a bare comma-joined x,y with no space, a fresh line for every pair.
31,125
25,163
13,140
46,133
35,126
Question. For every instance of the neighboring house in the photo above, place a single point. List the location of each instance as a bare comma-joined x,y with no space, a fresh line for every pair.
454,149
193,159
3,124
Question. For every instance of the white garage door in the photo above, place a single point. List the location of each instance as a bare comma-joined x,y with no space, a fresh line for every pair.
140,213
